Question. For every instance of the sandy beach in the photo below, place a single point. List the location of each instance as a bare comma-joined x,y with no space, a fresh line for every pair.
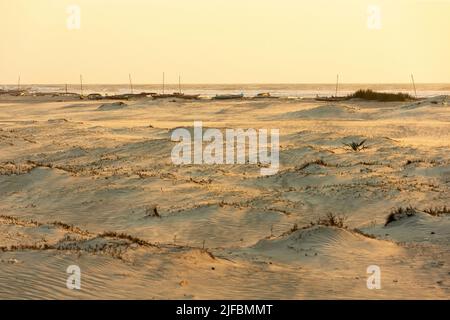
92,184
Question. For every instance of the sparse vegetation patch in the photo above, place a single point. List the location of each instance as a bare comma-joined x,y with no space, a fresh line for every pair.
400,213
380,96
331,220
437,211
356,146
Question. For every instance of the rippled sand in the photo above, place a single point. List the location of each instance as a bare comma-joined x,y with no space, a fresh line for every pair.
79,184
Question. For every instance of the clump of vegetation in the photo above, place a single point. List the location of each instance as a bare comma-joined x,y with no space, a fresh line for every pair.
331,220
15,221
437,211
22,247
400,213
142,174
123,236
379,96
356,146
370,163
367,235
319,162
68,227
294,228
152,211
414,161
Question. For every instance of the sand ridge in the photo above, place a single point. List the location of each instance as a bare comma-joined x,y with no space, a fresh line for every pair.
79,186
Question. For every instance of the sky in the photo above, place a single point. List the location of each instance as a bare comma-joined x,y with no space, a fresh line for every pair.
224,41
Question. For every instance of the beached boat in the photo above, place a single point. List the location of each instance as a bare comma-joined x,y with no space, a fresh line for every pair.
229,96
165,95
94,96
330,99
265,95
189,96
128,96
176,95
14,92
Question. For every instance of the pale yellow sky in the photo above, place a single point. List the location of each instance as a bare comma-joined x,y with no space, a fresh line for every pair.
225,41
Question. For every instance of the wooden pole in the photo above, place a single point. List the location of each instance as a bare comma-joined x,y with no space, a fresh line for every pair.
18,83
81,84
337,84
163,84
131,83
414,85
66,88
179,84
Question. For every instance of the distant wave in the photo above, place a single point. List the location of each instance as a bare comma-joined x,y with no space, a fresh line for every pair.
298,90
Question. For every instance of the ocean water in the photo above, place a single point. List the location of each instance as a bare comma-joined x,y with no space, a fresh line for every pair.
283,90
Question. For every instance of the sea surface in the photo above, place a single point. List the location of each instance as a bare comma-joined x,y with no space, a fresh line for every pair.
283,90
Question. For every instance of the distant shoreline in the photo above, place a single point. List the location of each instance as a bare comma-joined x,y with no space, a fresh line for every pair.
283,90
445,84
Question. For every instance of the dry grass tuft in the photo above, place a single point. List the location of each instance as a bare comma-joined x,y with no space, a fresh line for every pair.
69,227
123,236
331,220
379,96
152,211
356,146
400,213
437,211
319,162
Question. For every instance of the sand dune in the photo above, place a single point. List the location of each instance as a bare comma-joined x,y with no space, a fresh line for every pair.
325,112
81,186
112,106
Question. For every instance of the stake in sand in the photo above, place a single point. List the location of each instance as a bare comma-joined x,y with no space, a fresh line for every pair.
414,85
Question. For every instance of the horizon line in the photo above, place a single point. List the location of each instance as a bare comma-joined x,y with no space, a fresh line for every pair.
235,83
